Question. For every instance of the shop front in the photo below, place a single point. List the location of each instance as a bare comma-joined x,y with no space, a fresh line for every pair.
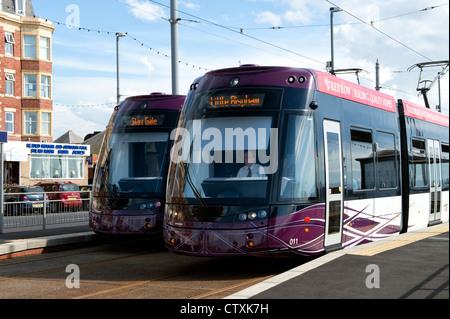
28,163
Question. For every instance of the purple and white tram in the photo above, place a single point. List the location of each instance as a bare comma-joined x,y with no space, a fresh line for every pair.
278,160
130,177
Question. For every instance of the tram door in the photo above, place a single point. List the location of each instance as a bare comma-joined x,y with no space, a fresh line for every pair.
434,156
333,183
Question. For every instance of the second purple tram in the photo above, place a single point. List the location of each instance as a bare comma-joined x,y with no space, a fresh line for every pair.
130,178
277,160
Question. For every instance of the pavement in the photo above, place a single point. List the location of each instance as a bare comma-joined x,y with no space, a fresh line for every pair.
414,265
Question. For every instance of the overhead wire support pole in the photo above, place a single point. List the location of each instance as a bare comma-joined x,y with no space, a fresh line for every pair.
174,44
332,10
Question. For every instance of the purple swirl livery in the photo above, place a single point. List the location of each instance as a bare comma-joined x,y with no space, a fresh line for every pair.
289,234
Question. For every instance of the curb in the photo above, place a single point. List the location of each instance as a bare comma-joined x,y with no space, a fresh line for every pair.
22,245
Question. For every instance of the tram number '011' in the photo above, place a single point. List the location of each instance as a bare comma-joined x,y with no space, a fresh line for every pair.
293,241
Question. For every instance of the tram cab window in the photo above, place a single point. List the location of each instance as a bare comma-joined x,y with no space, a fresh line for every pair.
215,150
298,167
418,164
445,167
363,165
137,162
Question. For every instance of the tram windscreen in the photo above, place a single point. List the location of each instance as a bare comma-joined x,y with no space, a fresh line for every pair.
224,158
136,163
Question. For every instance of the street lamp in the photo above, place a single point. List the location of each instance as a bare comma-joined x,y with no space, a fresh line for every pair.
118,35
332,10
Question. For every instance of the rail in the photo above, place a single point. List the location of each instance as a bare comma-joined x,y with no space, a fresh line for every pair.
39,210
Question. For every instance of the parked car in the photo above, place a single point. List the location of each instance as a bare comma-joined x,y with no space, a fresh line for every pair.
85,191
63,196
22,199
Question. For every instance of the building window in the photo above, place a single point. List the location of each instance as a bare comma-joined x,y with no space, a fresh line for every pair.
30,81
9,122
51,167
29,46
45,123
44,49
9,43
31,123
45,86
20,7
9,83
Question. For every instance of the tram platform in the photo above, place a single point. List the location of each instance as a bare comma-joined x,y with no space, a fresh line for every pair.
409,266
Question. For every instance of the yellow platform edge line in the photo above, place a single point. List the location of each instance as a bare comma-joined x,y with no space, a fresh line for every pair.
399,241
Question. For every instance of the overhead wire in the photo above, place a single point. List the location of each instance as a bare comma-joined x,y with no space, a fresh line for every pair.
337,24
79,28
234,31
241,30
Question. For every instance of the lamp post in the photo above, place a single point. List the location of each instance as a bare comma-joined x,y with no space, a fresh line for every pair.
174,44
332,10
118,35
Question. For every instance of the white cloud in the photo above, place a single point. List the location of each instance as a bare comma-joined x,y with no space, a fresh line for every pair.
81,120
298,11
298,16
268,18
190,5
148,64
146,11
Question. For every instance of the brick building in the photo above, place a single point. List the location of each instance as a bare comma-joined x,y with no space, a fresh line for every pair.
26,108
25,73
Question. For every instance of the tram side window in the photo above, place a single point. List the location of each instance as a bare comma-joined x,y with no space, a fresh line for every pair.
445,167
418,164
363,165
386,161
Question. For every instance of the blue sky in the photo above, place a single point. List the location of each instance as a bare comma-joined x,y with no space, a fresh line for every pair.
402,33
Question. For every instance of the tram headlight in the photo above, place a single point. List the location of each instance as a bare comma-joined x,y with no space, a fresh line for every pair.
252,215
262,214
150,205
243,217
234,81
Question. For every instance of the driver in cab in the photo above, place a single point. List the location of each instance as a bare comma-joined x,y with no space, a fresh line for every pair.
251,168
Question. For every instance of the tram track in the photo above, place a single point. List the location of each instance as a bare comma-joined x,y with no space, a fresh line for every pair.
131,270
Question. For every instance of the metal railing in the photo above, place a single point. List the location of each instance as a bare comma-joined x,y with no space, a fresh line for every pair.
54,209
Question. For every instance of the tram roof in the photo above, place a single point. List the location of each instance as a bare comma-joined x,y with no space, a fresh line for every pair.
424,114
153,101
320,81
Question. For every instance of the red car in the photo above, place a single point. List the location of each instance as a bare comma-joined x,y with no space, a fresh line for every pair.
63,196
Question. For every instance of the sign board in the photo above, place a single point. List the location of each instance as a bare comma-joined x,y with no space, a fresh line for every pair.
3,137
